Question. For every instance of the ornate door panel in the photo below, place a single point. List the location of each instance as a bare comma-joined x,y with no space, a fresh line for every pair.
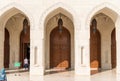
113,49
6,49
95,47
24,42
60,48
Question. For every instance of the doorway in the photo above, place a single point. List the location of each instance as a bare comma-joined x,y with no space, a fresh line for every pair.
25,43
60,48
6,49
102,43
95,47
26,50
113,48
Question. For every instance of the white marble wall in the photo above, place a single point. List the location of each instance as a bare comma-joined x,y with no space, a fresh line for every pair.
38,12
105,25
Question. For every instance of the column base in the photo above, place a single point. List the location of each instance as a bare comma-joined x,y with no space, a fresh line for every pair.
118,70
11,66
106,66
36,71
82,70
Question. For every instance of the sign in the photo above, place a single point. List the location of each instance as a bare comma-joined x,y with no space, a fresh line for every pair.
17,64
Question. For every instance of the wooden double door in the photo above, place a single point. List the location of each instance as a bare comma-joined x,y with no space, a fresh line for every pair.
25,46
95,49
6,49
113,48
60,48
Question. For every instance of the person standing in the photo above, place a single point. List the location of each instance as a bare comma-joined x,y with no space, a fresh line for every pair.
26,63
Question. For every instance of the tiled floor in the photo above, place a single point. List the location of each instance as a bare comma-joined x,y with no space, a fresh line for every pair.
66,76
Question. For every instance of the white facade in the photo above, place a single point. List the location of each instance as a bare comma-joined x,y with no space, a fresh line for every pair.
77,17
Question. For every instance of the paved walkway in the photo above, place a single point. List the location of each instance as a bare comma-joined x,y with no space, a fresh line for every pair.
66,76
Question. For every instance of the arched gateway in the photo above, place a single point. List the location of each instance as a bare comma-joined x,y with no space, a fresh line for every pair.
102,43
25,42
12,26
60,48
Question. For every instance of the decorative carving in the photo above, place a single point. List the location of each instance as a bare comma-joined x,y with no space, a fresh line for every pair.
60,24
25,25
94,25
54,20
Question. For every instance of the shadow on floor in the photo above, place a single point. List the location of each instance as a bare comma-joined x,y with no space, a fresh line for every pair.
99,71
56,70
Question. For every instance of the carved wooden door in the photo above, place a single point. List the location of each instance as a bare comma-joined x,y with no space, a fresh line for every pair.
95,47
113,48
6,49
60,48
24,45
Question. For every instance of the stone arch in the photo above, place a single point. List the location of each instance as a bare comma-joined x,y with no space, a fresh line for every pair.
100,8
50,15
19,8
6,13
70,13
112,13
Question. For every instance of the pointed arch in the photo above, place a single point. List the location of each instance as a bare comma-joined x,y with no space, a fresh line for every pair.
57,11
66,10
106,8
112,13
17,9
8,12
52,14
